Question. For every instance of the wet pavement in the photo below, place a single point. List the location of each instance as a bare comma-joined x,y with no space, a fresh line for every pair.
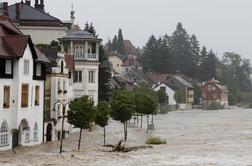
194,138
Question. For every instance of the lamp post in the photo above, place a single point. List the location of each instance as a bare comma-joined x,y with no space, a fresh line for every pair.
63,119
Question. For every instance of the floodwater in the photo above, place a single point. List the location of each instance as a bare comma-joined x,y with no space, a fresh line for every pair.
194,138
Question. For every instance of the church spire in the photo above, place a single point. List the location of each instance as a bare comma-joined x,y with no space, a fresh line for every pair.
72,13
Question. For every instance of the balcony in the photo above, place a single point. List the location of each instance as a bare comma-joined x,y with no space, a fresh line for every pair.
83,56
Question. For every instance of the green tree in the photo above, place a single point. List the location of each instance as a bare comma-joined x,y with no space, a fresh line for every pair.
104,86
115,44
120,42
53,45
162,97
81,114
208,65
180,96
102,117
197,93
149,55
122,105
91,29
181,50
145,104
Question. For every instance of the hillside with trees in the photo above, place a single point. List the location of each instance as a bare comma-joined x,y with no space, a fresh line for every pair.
182,53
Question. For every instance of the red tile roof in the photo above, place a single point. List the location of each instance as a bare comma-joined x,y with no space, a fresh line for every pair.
13,43
131,61
70,62
17,43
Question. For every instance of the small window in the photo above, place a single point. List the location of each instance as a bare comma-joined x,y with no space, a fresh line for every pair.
37,95
163,88
27,135
35,132
91,98
8,67
4,134
62,67
59,110
26,67
6,103
25,95
59,86
78,76
38,69
64,86
91,77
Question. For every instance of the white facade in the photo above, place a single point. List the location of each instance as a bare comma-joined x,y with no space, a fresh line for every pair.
84,47
87,86
61,90
169,92
24,122
43,34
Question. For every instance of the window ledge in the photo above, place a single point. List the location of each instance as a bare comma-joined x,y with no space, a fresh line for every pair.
4,145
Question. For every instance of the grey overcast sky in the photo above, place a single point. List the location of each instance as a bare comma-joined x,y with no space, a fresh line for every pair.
223,25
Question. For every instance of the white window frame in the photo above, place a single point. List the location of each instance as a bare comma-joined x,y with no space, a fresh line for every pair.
26,67
8,67
27,135
35,132
77,79
91,76
38,69
4,134
91,97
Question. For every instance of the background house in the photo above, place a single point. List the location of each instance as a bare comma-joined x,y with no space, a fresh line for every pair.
183,88
170,93
35,21
116,62
214,91
131,62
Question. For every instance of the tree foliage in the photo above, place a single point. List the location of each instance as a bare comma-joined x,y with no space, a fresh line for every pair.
81,112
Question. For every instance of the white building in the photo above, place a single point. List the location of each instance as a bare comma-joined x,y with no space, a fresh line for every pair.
84,47
36,22
58,88
22,75
169,92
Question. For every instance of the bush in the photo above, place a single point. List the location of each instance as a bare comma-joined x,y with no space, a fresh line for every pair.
155,141
164,109
248,106
214,106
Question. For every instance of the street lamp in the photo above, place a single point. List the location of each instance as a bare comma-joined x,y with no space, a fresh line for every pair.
63,119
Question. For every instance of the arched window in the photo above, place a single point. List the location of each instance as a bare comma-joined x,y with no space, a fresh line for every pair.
35,132
4,134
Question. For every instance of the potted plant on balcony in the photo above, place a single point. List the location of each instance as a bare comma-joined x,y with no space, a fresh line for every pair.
59,91
65,91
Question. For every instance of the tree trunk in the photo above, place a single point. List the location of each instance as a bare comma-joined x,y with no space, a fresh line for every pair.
141,121
152,119
104,134
80,139
147,123
126,131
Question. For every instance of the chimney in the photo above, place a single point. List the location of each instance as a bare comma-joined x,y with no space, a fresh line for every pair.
28,2
5,8
36,4
17,11
39,6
